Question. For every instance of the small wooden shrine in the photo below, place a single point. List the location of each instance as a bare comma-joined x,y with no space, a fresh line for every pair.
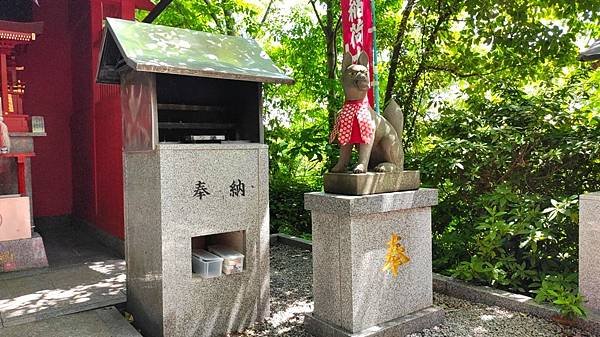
20,247
14,38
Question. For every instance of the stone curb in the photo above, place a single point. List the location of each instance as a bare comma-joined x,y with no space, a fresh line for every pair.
480,294
515,302
490,296
290,240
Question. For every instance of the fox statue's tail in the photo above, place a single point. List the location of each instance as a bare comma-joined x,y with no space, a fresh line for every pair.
394,116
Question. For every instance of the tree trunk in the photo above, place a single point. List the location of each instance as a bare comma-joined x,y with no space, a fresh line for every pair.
330,28
410,113
229,22
331,65
394,61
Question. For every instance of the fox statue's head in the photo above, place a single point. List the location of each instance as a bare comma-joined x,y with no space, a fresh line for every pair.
355,77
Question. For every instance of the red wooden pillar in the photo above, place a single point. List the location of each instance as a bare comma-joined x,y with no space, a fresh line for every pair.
4,81
106,205
21,161
21,167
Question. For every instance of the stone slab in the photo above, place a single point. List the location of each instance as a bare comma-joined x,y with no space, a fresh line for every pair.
589,268
371,182
400,327
23,254
589,241
104,322
491,296
61,292
591,196
376,203
589,212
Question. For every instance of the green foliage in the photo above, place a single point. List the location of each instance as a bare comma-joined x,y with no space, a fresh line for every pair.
230,17
561,290
499,116
287,207
296,167
509,166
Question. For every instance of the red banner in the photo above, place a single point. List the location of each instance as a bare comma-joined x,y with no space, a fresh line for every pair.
357,30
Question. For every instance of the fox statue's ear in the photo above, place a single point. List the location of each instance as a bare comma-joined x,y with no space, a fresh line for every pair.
363,59
347,61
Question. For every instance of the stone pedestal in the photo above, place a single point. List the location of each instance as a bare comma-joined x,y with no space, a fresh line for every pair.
23,254
186,196
353,295
589,241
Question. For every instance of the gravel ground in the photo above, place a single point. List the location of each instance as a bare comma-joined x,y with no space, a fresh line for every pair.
291,298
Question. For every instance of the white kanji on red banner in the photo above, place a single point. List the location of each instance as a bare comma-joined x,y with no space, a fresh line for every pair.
357,28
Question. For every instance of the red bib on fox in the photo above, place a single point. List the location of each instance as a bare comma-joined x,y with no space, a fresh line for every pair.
354,124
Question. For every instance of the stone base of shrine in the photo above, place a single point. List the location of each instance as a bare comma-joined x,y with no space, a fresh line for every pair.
400,327
23,254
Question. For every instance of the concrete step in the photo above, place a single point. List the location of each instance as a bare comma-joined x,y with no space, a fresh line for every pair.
61,292
105,322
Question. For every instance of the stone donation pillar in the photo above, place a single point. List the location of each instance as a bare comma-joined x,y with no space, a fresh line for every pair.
353,294
196,177
589,241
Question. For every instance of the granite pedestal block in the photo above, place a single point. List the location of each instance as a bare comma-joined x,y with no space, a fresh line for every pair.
589,241
185,191
23,254
353,295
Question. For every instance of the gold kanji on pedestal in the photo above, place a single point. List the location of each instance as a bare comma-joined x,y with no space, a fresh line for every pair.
396,255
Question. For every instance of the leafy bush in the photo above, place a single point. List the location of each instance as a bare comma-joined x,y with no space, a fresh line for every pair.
297,159
561,290
509,167
287,207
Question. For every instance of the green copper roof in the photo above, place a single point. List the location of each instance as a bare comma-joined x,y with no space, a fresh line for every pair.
159,49
591,54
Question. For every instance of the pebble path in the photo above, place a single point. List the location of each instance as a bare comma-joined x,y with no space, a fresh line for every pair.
291,299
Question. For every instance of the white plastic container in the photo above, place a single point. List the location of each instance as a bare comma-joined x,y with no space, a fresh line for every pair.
233,261
206,264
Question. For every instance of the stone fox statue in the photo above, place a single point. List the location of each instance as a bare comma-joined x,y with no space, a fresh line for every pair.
378,138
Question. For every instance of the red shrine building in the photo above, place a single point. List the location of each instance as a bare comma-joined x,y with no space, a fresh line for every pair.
65,130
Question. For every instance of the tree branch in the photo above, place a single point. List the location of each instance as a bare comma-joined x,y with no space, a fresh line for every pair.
264,18
312,2
337,25
229,22
408,107
397,48
456,72
213,15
